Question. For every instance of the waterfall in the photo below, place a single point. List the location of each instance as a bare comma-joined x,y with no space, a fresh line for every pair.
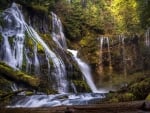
12,54
147,38
101,56
14,87
86,72
57,32
60,70
102,41
59,38
109,55
12,19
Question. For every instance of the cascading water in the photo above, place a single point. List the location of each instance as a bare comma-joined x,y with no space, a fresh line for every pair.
15,28
16,52
101,56
59,37
86,72
57,32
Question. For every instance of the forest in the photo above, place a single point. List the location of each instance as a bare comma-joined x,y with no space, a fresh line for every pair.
75,49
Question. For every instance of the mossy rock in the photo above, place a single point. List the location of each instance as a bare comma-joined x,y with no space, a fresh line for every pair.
28,93
18,76
141,89
127,97
81,86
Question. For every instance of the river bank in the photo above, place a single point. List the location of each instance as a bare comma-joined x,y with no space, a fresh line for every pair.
122,107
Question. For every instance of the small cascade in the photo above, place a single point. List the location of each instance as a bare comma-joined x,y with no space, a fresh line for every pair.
109,55
85,70
57,32
6,52
14,87
101,56
74,88
147,38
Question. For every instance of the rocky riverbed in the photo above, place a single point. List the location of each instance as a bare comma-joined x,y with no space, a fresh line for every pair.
123,107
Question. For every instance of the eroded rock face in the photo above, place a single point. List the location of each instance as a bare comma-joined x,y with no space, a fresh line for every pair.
116,57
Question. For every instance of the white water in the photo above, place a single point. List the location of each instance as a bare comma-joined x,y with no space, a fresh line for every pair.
13,28
58,100
101,55
57,32
86,72
60,71
14,87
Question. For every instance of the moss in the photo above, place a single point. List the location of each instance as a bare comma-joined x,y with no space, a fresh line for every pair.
127,97
141,89
40,48
28,93
4,86
40,9
81,86
18,76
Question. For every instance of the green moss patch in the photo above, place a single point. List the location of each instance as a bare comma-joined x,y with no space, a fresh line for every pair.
18,76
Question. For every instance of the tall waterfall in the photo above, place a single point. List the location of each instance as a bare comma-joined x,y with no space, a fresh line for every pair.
13,54
57,32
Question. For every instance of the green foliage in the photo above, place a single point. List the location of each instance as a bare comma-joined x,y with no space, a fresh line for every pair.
120,97
143,8
81,86
125,15
141,89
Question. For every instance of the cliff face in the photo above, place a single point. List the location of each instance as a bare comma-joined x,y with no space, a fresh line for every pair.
116,60
48,65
